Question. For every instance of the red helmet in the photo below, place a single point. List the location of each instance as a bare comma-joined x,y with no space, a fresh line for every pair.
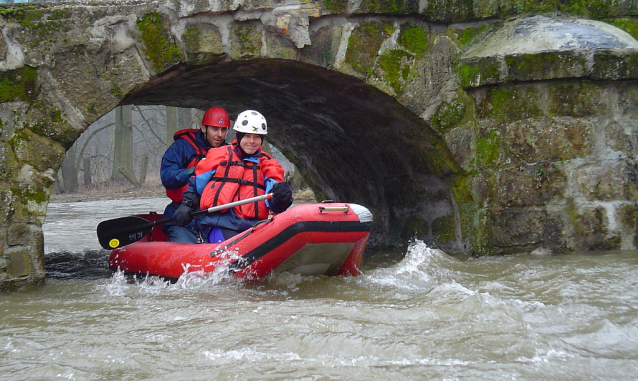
216,117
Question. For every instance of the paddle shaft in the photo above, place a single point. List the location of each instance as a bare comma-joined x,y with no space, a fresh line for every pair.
209,210
111,229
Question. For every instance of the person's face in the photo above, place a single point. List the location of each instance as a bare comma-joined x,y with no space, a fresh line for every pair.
214,135
250,143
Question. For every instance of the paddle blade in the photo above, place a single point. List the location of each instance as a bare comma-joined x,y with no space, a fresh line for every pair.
122,231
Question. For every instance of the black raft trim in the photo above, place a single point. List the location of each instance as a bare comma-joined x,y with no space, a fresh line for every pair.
291,231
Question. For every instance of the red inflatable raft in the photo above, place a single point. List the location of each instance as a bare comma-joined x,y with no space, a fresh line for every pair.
308,239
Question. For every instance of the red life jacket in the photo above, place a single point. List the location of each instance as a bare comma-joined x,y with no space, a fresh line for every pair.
190,135
236,179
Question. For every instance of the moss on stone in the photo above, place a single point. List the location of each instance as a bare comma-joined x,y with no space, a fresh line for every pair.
335,6
462,190
448,115
468,35
546,65
615,66
438,160
396,68
488,149
17,12
203,44
628,216
30,194
416,227
573,99
514,103
246,42
414,39
398,7
474,223
35,150
18,85
479,72
444,229
628,24
160,49
364,43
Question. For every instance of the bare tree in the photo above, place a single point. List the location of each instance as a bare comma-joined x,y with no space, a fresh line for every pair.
122,169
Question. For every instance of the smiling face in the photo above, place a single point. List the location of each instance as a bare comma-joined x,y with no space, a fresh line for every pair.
250,143
214,135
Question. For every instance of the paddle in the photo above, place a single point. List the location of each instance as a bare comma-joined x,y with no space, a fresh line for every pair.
124,230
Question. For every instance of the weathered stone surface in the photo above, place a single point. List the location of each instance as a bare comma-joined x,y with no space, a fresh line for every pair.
203,43
605,181
545,65
35,150
18,234
547,139
591,227
19,262
627,217
515,230
460,141
530,185
613,65
540,48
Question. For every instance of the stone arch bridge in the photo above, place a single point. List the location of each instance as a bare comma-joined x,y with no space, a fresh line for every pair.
484,127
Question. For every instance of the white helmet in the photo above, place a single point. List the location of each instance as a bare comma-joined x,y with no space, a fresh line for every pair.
251,122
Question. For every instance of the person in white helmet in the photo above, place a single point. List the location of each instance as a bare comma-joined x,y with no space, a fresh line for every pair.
236,172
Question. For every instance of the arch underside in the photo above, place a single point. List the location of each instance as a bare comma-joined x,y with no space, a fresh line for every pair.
350,141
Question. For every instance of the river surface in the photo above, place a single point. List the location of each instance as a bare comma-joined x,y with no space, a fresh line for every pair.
417,314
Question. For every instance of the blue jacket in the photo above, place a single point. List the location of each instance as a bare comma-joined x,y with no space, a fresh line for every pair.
174,171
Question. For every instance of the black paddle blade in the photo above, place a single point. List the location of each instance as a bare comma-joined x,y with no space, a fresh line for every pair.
122,231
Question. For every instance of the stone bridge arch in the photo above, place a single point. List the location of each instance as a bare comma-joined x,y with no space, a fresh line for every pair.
66,66
414,109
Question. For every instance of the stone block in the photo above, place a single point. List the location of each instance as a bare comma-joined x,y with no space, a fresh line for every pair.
614,65
627,218
547,139
246,40
591,230
480,71
324,48
18,262
459,140
37,151
8,162
203,44
517,229
529,185
364,44
545,65
18,234
576,99
622,135
554,237
510,103
605,181
3,48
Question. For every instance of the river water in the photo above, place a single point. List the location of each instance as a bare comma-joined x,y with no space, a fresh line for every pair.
417,314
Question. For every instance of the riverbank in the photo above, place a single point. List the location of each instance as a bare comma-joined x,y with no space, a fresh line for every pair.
152,189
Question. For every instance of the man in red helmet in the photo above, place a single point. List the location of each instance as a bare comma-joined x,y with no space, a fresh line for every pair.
179,161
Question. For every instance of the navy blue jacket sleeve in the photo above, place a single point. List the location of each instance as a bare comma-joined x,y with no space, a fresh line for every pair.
173,171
